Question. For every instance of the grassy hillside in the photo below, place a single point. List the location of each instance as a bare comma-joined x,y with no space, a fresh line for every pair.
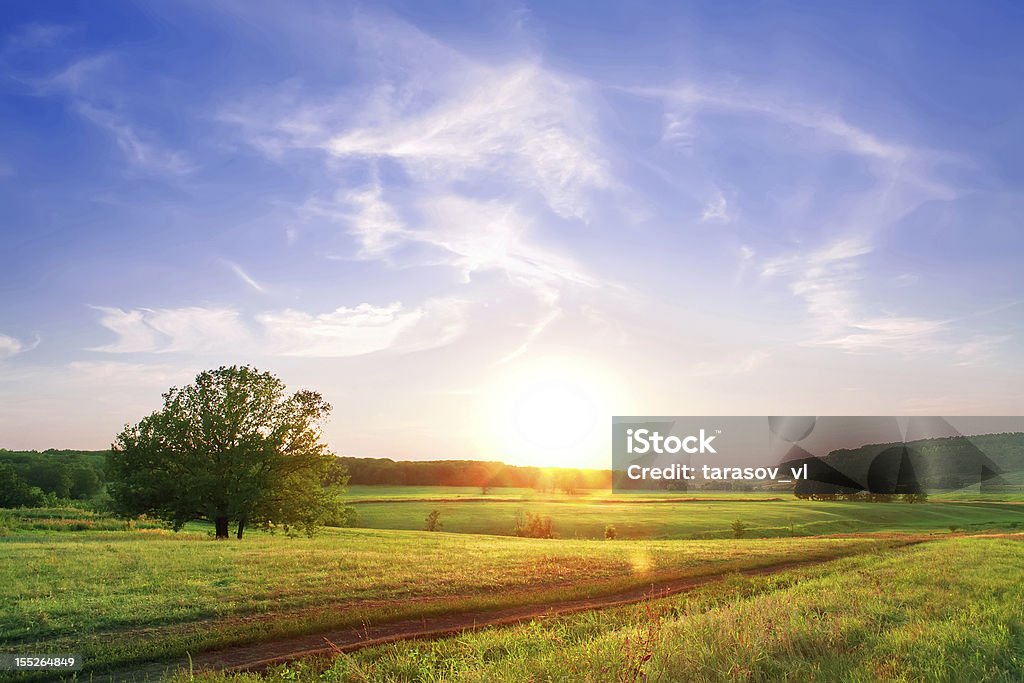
124,596
947,611
692,517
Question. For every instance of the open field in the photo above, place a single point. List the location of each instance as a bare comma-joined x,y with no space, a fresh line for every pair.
125,594
701,516
122,597
950,610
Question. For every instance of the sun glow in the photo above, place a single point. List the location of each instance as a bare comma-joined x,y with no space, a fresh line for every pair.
553,413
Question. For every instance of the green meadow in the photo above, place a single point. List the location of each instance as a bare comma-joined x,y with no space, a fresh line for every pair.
122,597
947,611
668,516
124,594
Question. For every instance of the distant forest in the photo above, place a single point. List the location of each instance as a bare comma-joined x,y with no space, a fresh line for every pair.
30,477
471,473
993,461
996,461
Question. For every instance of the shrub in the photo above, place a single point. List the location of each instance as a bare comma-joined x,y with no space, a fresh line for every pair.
738,528
610,532
531,525
343,516
433,522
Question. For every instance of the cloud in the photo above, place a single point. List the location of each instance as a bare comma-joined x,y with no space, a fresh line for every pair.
11,346
85,83
469,163
717,210
521,122
346,331
822,259
826,279
244,277
364,329
190,329
375,223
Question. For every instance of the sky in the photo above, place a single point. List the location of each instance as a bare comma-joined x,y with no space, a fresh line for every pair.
482,229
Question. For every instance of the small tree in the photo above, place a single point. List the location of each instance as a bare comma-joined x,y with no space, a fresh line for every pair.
433,522
738,529
231,446
610,532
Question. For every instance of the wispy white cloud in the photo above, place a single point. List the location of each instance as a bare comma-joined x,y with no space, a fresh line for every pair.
521,122
364,329
494,154
190,329
244,277
825,268
12,346
827,280
346,331
717,209
85,84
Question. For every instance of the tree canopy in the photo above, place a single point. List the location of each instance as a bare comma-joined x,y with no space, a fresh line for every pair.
232,446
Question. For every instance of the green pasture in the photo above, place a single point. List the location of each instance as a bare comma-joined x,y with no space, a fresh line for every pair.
123,597
947,611
691,518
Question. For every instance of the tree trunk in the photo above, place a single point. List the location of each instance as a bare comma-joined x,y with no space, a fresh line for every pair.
222,526
241,526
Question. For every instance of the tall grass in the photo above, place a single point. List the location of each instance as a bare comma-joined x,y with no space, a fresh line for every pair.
949,611
130,596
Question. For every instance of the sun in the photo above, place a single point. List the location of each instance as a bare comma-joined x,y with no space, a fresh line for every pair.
552,413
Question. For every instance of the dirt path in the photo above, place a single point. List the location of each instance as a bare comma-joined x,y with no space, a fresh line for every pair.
259,656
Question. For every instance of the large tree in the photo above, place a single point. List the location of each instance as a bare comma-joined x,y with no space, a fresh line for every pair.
232,446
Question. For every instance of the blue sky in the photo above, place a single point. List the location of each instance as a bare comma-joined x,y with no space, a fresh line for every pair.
458,221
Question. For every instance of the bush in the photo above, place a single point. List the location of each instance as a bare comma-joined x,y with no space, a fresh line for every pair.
433,522
610,532
531,525
343,516
738,529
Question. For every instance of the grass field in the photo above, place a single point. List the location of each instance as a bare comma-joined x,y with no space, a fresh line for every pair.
126,596
702,516
946,611
122,594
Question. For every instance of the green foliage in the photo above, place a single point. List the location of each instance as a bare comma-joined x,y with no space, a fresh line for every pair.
68,519
232,446
76,475
433,522
738,528
15,491
532,525
480,474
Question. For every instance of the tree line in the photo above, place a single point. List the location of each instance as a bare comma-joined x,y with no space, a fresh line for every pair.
475,473
35,478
